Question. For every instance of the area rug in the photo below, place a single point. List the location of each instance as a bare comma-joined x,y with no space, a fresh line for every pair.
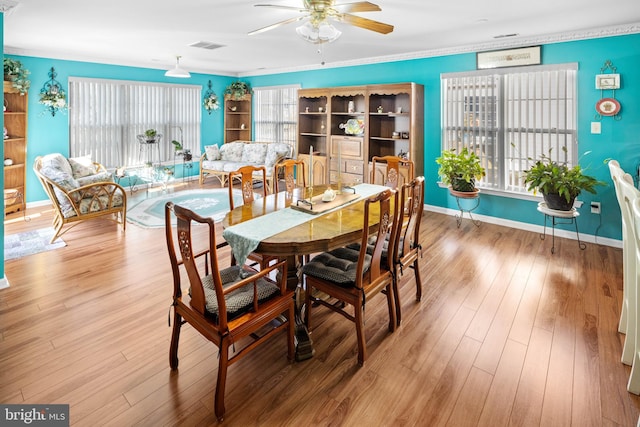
30,242
208,203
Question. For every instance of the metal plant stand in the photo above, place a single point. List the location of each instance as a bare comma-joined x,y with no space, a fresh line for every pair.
467,202
559,217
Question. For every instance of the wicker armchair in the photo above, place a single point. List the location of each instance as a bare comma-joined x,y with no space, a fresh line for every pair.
79,189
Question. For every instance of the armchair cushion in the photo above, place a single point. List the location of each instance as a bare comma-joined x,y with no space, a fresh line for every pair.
232,151
212,152
239,301
275,152
82,166
254,153
338,266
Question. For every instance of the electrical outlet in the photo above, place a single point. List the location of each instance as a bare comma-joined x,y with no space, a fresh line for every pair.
595,208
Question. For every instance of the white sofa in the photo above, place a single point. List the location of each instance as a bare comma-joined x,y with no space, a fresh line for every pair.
219,161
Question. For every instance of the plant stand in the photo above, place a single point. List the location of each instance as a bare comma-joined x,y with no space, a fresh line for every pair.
467,202
559,217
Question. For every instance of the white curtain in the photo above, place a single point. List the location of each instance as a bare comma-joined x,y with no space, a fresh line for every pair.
105,117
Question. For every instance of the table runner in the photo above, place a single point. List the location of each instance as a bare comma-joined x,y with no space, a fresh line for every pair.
245,237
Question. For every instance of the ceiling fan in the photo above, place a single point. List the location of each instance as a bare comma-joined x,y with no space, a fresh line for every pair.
318,29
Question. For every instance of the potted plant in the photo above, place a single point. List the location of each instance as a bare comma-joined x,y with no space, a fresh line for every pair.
150,134
15,72
558,183
237,90
460,170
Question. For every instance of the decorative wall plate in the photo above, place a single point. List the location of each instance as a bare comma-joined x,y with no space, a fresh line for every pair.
608,107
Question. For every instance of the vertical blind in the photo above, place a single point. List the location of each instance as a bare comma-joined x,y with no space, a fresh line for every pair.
275,114
105,117
510,118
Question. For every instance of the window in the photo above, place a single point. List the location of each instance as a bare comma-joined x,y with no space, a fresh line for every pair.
275,114
105,117
509,117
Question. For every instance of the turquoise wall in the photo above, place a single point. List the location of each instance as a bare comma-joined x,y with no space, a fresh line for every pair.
48,134
619,139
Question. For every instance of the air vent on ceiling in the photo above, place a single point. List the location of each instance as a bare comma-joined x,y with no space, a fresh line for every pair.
206,45
7,6
503,36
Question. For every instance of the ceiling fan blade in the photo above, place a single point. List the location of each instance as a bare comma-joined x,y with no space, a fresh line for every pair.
367,24
361,6
279,6
276,25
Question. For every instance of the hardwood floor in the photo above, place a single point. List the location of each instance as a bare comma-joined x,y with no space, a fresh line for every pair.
506,334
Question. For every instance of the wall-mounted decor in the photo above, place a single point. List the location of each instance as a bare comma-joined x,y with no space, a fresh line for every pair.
210,100
508,58
52,95
608,79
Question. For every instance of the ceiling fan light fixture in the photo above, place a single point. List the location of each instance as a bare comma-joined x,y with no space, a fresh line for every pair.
324,32
177,71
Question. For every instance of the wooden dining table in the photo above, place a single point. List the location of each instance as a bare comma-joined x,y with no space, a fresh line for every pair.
319,232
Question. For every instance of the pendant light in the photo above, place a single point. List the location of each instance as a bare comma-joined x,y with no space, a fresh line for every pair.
177,71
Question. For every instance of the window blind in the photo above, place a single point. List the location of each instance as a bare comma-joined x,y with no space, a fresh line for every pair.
105,117
510,118
275,114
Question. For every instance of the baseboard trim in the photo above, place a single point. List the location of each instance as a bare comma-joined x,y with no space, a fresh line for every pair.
587,238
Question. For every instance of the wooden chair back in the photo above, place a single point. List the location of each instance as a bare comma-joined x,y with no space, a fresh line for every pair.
224,307
407,248
247,175
290,169
397,172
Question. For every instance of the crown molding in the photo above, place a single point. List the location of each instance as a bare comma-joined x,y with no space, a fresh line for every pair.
593,33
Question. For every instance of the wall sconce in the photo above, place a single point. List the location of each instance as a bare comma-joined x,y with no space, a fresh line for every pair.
210,100
52,96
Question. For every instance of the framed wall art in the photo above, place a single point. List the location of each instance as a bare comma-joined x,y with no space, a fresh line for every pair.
508,58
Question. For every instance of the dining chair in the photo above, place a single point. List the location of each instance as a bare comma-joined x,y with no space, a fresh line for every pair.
407,249
628,256
634,377
226,310
247,176
353,276
290,169
629,194
392,176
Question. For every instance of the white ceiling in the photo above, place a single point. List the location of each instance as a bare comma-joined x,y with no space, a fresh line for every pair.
150,33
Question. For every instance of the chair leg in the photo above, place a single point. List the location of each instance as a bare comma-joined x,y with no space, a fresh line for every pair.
633,386
175,338
391,299
222,378
359,320
396,296
416,270
307,307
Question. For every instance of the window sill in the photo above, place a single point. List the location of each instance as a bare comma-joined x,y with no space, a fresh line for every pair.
513,195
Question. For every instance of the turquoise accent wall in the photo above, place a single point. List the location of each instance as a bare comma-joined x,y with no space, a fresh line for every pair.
619,139
49,134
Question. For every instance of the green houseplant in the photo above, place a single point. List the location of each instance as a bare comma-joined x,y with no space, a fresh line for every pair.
15,72
460,170
237,90
558,183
